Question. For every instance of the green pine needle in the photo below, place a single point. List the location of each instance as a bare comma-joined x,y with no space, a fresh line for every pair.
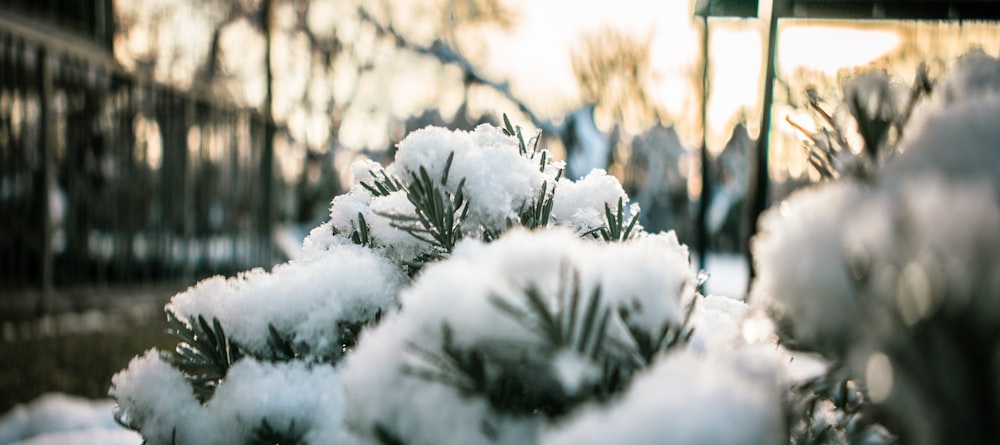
539,212
382,184
563,326
438,213
462,369
265,434
204,353
616,228
360,234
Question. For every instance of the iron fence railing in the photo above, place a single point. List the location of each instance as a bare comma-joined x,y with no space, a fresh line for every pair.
109,178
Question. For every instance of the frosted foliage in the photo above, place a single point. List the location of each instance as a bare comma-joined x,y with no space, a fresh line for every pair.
962,112
686,398
364,171
499,182
498,179
580,204
803,276
290,397
307,298
651,273
399,243
377,392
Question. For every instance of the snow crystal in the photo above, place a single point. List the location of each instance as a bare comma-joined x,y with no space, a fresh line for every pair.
365,170
498,182
379,394
957,142
685,398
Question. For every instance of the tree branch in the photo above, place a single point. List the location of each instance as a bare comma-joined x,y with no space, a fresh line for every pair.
446,55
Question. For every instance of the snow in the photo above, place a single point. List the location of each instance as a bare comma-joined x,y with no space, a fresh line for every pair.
56,419
581,204
728,274
305,297
497,178
826,257
651,272
802,274
289,396
59,419
686,398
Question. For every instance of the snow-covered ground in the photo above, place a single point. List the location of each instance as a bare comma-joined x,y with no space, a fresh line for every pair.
728,275
59,419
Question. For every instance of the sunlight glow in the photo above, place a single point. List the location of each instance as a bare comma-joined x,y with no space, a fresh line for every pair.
830,48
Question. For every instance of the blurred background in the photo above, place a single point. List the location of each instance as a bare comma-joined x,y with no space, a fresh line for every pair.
146,144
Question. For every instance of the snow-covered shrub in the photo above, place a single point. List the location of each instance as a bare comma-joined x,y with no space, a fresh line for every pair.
444,186
515,332
466,293
896,277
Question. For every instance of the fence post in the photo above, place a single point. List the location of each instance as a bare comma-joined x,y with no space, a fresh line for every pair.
759,174
46,145
267,157
190,175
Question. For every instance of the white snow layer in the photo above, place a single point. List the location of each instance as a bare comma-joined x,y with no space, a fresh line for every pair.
497,181
307,297
292,396
686,398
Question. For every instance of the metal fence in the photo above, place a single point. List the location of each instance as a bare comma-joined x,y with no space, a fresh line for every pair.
106,178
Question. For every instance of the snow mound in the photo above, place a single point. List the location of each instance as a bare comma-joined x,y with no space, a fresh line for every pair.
62,419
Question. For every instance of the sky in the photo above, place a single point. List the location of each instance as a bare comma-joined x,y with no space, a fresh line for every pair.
534,56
